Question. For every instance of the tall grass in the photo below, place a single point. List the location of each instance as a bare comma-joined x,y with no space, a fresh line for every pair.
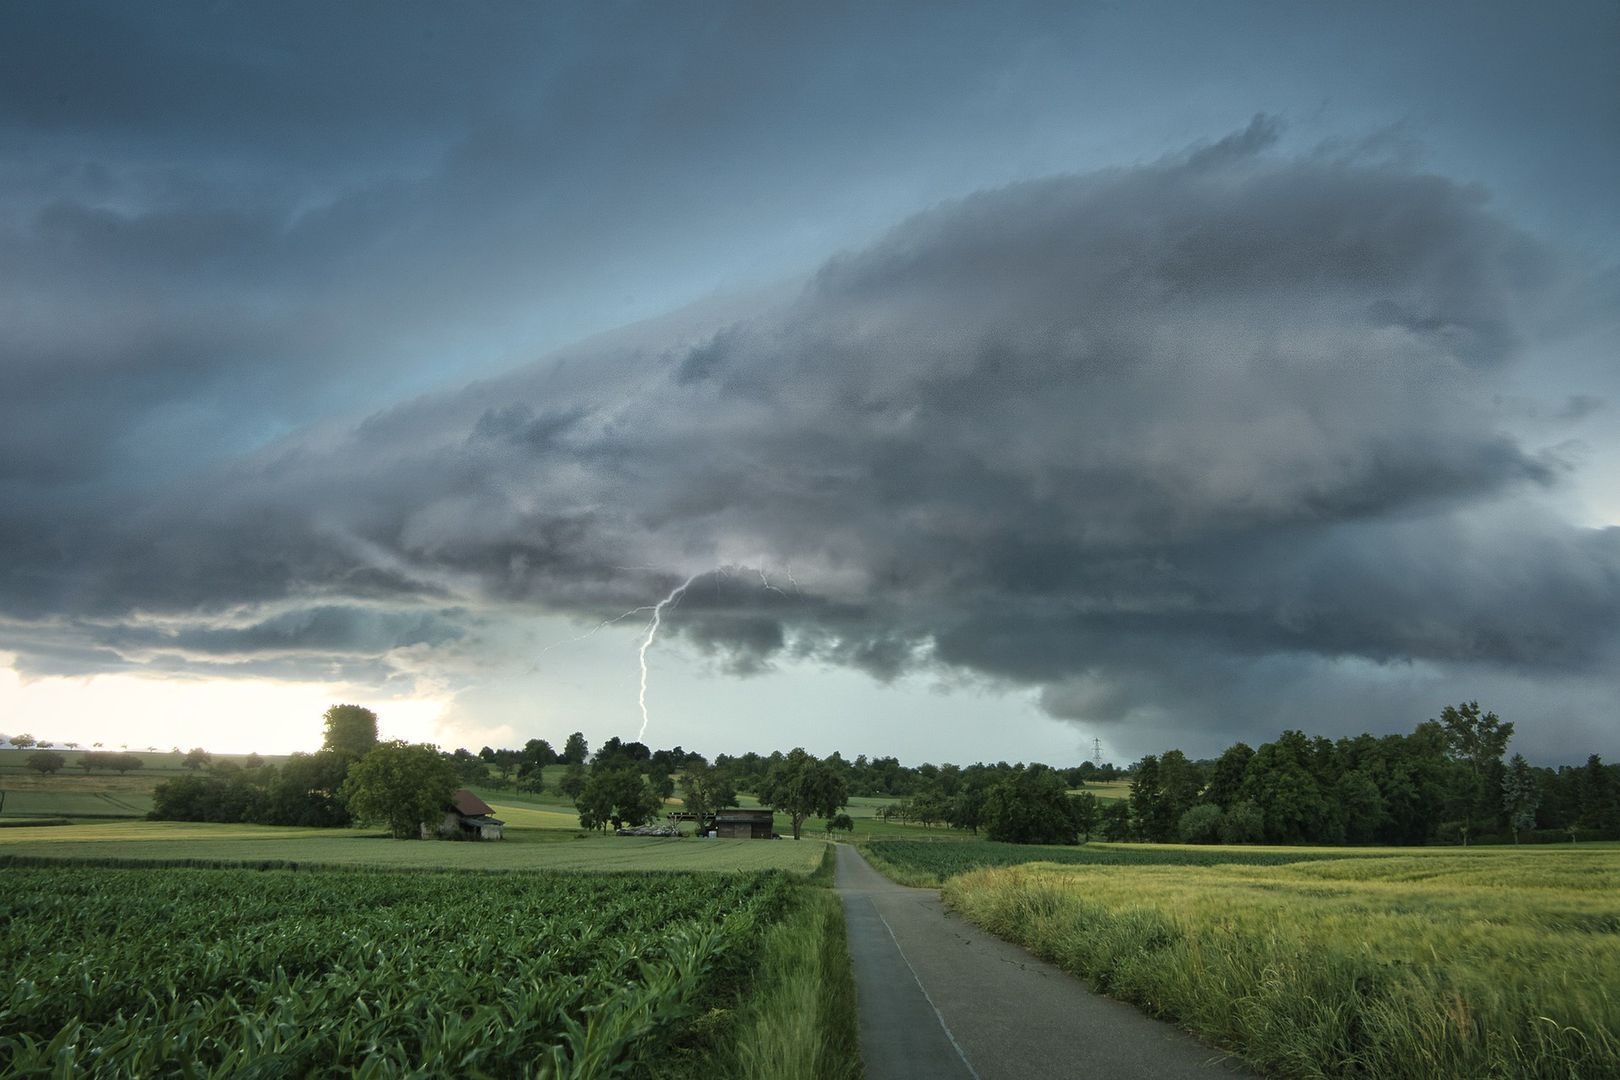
1430,966
800,1021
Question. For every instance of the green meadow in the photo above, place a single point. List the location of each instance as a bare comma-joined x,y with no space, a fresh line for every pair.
186,843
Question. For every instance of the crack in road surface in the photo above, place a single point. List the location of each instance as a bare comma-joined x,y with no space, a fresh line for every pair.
941,1000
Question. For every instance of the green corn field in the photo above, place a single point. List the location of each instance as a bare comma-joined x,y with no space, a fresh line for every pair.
201,973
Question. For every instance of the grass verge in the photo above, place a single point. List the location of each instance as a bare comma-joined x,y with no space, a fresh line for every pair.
800,1022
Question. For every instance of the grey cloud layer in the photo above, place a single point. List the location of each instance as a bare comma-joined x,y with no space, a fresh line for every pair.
1128,437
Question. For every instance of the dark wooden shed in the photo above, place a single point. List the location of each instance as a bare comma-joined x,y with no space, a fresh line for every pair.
744,824
467,817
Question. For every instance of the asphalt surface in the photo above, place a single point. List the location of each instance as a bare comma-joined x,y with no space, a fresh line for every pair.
942,1000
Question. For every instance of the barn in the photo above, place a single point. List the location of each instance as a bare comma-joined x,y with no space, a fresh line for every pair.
466,818
744,824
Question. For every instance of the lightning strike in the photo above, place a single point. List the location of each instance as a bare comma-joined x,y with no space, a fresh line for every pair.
652,632
766,582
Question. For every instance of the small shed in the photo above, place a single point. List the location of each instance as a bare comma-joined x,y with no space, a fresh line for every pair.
467,818
744,824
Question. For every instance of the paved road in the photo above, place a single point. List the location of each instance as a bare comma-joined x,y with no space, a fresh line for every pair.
941,1000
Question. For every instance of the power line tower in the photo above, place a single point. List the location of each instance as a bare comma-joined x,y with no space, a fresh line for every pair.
1096,752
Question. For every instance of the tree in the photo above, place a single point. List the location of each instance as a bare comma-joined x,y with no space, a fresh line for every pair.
1361,807
123,763
1116,821
1598,795
1083,808
616,750
22,742
841,821
351,731
617,795
801,785
576,749
1030,807
573,781
402,785
252,761
1521,795
1476,742
45,762
1228,776
306,791
706,789
1281,782
662,783
1154,813
534,757
196,758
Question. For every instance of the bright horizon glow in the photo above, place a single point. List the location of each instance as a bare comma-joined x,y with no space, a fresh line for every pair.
224,716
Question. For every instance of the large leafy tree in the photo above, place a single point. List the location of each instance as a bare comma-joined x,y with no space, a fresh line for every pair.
536,755
801,785
403,785
576,749
616,795
1030,807
351,731
1475,741
1281,782
1227,780
1154,814
45,761
706,789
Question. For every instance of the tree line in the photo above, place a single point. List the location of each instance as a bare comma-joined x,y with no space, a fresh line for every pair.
1447,781
306,789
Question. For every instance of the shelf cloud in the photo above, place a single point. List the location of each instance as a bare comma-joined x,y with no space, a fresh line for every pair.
1217,420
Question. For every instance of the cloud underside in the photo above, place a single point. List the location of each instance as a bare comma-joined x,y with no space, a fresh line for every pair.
1115,437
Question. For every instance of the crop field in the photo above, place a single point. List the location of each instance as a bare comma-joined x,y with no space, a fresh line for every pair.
27,794
1491,963
197,843
197,972
928,863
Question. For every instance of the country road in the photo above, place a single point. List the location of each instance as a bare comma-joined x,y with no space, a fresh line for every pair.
941,1000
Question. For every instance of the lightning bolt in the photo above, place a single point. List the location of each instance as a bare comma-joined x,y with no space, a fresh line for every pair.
657,621
646,643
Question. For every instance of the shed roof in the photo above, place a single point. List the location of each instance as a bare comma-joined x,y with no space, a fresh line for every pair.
467,803
735,814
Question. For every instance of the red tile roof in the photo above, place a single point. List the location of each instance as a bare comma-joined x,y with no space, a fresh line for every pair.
467,803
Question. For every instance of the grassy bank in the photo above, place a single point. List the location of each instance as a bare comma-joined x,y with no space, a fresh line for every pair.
800,1021
1498,965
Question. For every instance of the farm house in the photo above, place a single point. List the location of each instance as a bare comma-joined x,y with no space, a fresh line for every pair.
744,824
466,818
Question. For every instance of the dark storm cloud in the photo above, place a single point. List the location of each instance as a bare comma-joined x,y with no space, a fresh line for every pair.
1139,438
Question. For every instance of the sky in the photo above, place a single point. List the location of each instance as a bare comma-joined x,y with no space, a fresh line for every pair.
954,381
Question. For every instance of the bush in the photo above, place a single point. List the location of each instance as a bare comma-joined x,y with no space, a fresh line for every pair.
1243,824
1202,824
